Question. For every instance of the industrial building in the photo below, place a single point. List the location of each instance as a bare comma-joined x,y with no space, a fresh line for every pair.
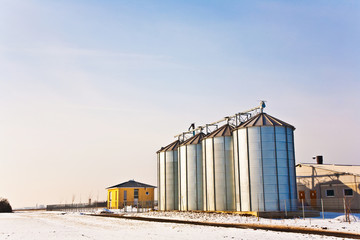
332,187
168,177
130,193
244,162
219,191
265,165
190,174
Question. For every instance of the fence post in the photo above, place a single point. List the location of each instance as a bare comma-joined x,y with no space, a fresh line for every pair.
258,217
345,210
322,207
302,200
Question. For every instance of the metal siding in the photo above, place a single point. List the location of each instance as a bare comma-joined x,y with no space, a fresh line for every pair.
169,180
210,175
220,175
158,176
269,169
191,181
171,177
162,186
179,180
229,174
244,170
199,177
203,144
282,168
176,180
182,178
292,176
256,174
236,171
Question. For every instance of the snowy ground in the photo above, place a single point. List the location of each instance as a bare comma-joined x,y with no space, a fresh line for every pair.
331,221
57,225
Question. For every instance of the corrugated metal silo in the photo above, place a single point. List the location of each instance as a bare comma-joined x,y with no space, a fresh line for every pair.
191,174
168,177
218,170
264,165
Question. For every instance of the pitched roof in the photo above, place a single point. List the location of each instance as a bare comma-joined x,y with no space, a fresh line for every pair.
263,119
337,168
196,139
131,184
221,132
171,147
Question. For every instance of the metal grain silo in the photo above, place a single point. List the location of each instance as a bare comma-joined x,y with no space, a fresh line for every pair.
191,174
168,177
264,165
218,170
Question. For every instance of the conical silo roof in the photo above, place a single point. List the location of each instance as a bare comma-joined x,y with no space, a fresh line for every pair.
221,132
263,119
194,139
171,147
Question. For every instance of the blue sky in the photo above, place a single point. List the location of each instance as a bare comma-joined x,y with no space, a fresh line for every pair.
101,85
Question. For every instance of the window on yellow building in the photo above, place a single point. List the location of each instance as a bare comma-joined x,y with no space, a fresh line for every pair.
136,193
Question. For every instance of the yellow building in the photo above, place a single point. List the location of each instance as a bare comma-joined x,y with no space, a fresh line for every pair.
130,193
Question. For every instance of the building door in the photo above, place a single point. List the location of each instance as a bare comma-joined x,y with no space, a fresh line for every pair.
302,195
313,198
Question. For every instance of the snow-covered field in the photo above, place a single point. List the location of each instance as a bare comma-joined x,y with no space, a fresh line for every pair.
57,225
332,221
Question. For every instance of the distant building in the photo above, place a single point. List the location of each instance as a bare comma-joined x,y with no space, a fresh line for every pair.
333,185
130,193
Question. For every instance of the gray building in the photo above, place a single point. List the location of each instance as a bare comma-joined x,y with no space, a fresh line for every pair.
332,186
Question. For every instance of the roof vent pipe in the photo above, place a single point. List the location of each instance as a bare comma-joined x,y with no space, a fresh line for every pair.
319,159
192,127
262,105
